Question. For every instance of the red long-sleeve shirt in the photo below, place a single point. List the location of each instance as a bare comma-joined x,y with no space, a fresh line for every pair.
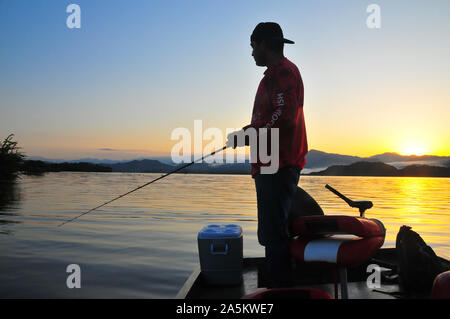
279,104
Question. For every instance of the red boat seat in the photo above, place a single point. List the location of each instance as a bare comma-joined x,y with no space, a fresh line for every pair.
289,293
339,241
441,286
332,225
345,252
317,240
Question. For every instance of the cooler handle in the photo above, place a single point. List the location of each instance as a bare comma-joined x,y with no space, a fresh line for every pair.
218,252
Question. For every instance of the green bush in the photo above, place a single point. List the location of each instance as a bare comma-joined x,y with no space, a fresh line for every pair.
10,159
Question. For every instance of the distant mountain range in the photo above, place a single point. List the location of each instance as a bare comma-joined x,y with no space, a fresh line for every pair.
318,159
142,166
154,166
382,169
163,159
315,161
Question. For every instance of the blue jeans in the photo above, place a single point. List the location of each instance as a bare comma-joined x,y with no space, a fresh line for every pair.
275,193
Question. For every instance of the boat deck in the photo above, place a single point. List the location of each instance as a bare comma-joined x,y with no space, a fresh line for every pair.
255,278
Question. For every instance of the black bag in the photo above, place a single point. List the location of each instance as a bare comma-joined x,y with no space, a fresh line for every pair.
418,264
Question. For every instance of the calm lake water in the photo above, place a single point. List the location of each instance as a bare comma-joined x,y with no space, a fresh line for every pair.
145,244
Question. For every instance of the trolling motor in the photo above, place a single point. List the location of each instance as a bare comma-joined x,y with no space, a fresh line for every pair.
362,205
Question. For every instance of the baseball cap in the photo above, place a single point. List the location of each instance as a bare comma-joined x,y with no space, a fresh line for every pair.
268,31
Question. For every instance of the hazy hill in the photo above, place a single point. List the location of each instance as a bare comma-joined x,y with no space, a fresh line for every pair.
394,157
154,166
359,169
382,169
425,171
141,166
319,159
236,168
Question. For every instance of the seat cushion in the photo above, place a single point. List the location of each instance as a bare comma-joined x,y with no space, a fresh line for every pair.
337,250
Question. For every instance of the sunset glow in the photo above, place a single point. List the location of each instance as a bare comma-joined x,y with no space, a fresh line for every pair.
414,148
116,88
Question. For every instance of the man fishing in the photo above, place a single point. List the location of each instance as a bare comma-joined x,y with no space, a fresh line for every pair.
278,105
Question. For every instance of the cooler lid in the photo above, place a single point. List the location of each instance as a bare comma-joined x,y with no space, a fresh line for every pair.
220,231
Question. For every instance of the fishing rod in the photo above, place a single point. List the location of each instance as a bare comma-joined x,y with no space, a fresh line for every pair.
142,186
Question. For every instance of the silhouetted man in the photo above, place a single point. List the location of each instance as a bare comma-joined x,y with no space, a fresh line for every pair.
278,104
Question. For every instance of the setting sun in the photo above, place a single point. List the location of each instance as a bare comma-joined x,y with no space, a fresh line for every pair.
413,148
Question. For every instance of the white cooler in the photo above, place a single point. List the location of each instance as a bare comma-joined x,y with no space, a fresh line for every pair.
220,250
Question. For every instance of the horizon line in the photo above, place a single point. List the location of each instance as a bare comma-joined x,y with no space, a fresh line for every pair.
246,155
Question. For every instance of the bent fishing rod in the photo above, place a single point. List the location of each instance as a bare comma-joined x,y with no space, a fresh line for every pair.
142,186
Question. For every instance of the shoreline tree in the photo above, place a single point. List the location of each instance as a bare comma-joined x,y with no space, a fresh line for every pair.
10,159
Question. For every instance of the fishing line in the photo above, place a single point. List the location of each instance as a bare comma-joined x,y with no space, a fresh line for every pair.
142,186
